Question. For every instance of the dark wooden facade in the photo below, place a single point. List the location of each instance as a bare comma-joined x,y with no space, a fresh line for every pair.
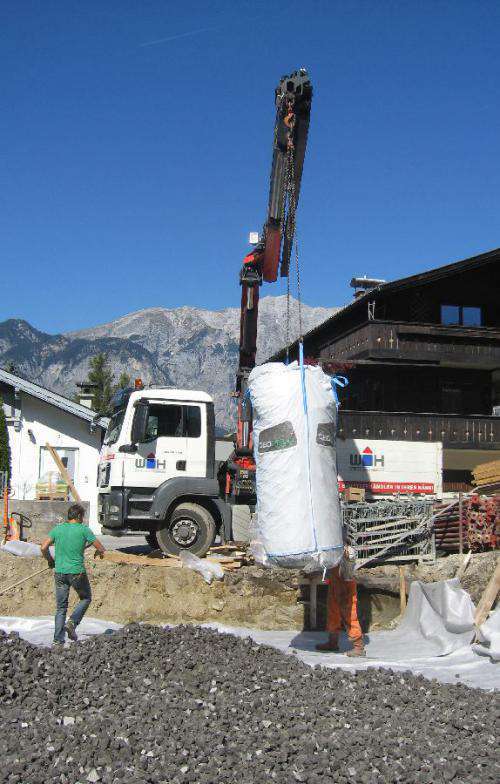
423,357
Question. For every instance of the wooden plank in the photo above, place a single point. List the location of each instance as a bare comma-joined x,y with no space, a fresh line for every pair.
64,473
402,589
115,556
313,605
489,596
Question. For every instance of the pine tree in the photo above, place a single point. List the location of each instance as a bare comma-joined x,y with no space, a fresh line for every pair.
102,377
123,381
4,443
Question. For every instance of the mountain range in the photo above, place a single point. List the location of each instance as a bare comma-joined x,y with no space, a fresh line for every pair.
185,347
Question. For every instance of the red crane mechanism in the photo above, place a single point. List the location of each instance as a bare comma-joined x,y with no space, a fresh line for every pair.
271,255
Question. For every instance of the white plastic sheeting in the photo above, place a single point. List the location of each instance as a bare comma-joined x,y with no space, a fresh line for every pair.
208,569
439,620
488,643
40,631
294,421
24,549
461,666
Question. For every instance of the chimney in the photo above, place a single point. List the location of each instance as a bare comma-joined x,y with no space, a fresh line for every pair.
86,393
364,284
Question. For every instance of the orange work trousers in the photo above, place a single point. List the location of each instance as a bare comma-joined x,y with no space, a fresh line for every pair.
342,606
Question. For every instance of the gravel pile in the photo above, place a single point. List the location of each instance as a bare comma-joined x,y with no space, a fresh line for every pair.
147,706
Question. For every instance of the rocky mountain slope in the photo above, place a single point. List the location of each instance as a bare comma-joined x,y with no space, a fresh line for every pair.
184,347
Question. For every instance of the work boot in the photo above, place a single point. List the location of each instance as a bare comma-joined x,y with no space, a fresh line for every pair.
358,648
331,645
71,631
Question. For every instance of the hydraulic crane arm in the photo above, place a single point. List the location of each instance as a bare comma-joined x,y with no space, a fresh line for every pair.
271,255
293,108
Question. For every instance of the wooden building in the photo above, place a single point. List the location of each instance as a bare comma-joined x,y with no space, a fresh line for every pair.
422,355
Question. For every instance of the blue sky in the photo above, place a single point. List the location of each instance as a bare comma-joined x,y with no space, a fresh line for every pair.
136,139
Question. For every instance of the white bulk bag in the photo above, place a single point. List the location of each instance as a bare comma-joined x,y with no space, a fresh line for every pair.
294,422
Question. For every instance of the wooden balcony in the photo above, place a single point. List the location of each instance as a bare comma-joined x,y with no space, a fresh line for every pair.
455,431
433,343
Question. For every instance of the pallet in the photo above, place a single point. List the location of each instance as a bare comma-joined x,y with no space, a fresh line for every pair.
52,496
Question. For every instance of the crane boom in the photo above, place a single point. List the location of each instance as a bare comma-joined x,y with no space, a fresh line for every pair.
271,255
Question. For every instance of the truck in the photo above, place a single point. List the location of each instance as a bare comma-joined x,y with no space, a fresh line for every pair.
157,470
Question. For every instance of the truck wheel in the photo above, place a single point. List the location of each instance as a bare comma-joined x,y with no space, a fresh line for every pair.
190,527
152,540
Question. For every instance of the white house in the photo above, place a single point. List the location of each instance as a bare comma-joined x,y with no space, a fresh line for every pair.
36,417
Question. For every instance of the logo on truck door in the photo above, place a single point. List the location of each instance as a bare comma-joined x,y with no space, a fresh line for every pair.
151,463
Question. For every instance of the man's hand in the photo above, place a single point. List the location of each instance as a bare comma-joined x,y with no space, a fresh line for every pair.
46,552
99,549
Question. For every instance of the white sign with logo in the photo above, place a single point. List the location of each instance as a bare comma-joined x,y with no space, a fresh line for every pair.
390,467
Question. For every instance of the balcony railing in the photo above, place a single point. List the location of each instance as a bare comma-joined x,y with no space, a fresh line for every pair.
426,342
455,431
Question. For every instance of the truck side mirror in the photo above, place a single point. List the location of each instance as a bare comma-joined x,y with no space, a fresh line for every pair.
128,448
139,423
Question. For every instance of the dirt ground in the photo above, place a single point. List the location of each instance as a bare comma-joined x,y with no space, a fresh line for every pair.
251,597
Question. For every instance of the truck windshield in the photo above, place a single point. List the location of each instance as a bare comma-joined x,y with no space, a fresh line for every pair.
114,427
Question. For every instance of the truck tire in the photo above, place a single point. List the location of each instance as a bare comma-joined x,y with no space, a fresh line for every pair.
152,540
190,527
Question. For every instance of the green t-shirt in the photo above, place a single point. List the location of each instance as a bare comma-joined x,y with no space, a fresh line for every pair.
70,540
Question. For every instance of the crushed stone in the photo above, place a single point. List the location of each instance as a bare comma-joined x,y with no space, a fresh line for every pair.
152,706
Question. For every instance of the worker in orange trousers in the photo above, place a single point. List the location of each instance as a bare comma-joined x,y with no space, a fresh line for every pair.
342,611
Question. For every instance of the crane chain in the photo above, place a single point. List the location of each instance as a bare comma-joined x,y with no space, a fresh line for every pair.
292,233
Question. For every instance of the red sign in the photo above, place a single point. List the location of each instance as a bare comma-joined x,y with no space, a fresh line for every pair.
387,488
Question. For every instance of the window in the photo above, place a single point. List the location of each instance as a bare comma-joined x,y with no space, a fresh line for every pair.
68,457
173,421
114,427
450,314
461,315
193,421
471,317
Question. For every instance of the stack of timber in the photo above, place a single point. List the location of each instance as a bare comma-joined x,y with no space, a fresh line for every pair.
447,528
228,556
480,525
487,473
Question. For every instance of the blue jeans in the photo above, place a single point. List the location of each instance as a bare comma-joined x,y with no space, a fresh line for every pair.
63,582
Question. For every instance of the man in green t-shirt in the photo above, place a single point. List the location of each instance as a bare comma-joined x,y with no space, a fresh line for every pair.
70,540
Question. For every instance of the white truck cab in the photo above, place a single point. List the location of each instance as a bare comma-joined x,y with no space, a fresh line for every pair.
157,471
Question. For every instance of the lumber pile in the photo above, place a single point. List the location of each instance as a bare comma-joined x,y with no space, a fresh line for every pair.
487,473
229,557
480,525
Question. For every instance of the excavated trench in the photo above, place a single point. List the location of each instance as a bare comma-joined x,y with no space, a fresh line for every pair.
250,597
